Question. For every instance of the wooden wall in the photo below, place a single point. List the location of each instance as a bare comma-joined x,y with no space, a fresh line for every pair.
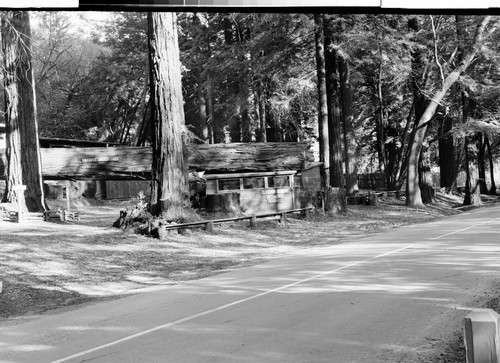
117,189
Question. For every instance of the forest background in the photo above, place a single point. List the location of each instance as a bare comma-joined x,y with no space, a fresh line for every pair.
257,77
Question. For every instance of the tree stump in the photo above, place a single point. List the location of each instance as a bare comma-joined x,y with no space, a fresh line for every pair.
335,201
373,199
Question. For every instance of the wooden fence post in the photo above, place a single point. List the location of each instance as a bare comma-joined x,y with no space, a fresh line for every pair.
481,336
283,219
210,227
253,221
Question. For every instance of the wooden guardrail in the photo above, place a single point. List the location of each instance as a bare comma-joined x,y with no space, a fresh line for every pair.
209,224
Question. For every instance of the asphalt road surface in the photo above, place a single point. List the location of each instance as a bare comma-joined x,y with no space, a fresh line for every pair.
391,297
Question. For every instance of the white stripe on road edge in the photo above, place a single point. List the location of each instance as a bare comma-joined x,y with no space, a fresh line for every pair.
464,229
222,307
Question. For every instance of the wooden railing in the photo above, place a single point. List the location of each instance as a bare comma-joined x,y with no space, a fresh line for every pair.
209,224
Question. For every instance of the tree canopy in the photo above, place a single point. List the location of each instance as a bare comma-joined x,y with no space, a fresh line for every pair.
253,77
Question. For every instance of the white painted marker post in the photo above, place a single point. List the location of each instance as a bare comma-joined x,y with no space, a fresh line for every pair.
68,200
481,334
19,188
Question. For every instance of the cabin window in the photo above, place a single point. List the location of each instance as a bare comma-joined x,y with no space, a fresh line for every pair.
253,183
278,181
297,181
229,184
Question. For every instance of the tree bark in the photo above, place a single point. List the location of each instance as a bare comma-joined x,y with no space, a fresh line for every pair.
169,191
202,108
381,123
334,117
472,191
145,129
493,187
350,145
447,157
212,125
481,167
262,116
323,138
23,147
425,177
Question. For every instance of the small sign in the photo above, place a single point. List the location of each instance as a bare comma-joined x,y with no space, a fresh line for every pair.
100,159
19,187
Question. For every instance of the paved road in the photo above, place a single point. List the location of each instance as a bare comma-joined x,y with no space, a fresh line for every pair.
391,297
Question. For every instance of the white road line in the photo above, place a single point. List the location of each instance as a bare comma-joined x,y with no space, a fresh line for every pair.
464,229
222,307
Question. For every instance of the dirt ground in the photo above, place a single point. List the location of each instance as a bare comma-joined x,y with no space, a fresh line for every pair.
61,265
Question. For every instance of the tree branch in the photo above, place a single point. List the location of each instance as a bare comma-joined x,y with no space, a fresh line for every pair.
435,40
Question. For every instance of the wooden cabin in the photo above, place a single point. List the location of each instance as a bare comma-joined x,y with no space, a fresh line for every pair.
267,176
268,191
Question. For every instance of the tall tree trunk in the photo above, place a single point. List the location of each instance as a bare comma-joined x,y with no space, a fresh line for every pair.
212,125
472,195
481,167
381,123
425,177
248,114
493,187
202,109
413,191
406,142
334,118
262,136
350,144
447,157
169,191
323,138
472,192
146,128
418,81
23,148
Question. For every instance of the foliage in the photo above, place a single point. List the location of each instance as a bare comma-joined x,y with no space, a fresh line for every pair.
245,74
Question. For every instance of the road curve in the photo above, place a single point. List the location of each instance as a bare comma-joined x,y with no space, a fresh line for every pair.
390,297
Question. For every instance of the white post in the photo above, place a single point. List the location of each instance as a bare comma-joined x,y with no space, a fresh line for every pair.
481,336
68,188
19,189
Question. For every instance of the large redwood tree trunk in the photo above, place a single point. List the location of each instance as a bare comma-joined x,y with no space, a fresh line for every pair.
323,138
334,116
169,190
350,144
23,148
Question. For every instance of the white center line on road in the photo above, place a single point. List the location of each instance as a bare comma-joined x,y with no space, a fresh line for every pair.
222,307
464,229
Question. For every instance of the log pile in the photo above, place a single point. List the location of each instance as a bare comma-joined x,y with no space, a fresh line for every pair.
127,162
